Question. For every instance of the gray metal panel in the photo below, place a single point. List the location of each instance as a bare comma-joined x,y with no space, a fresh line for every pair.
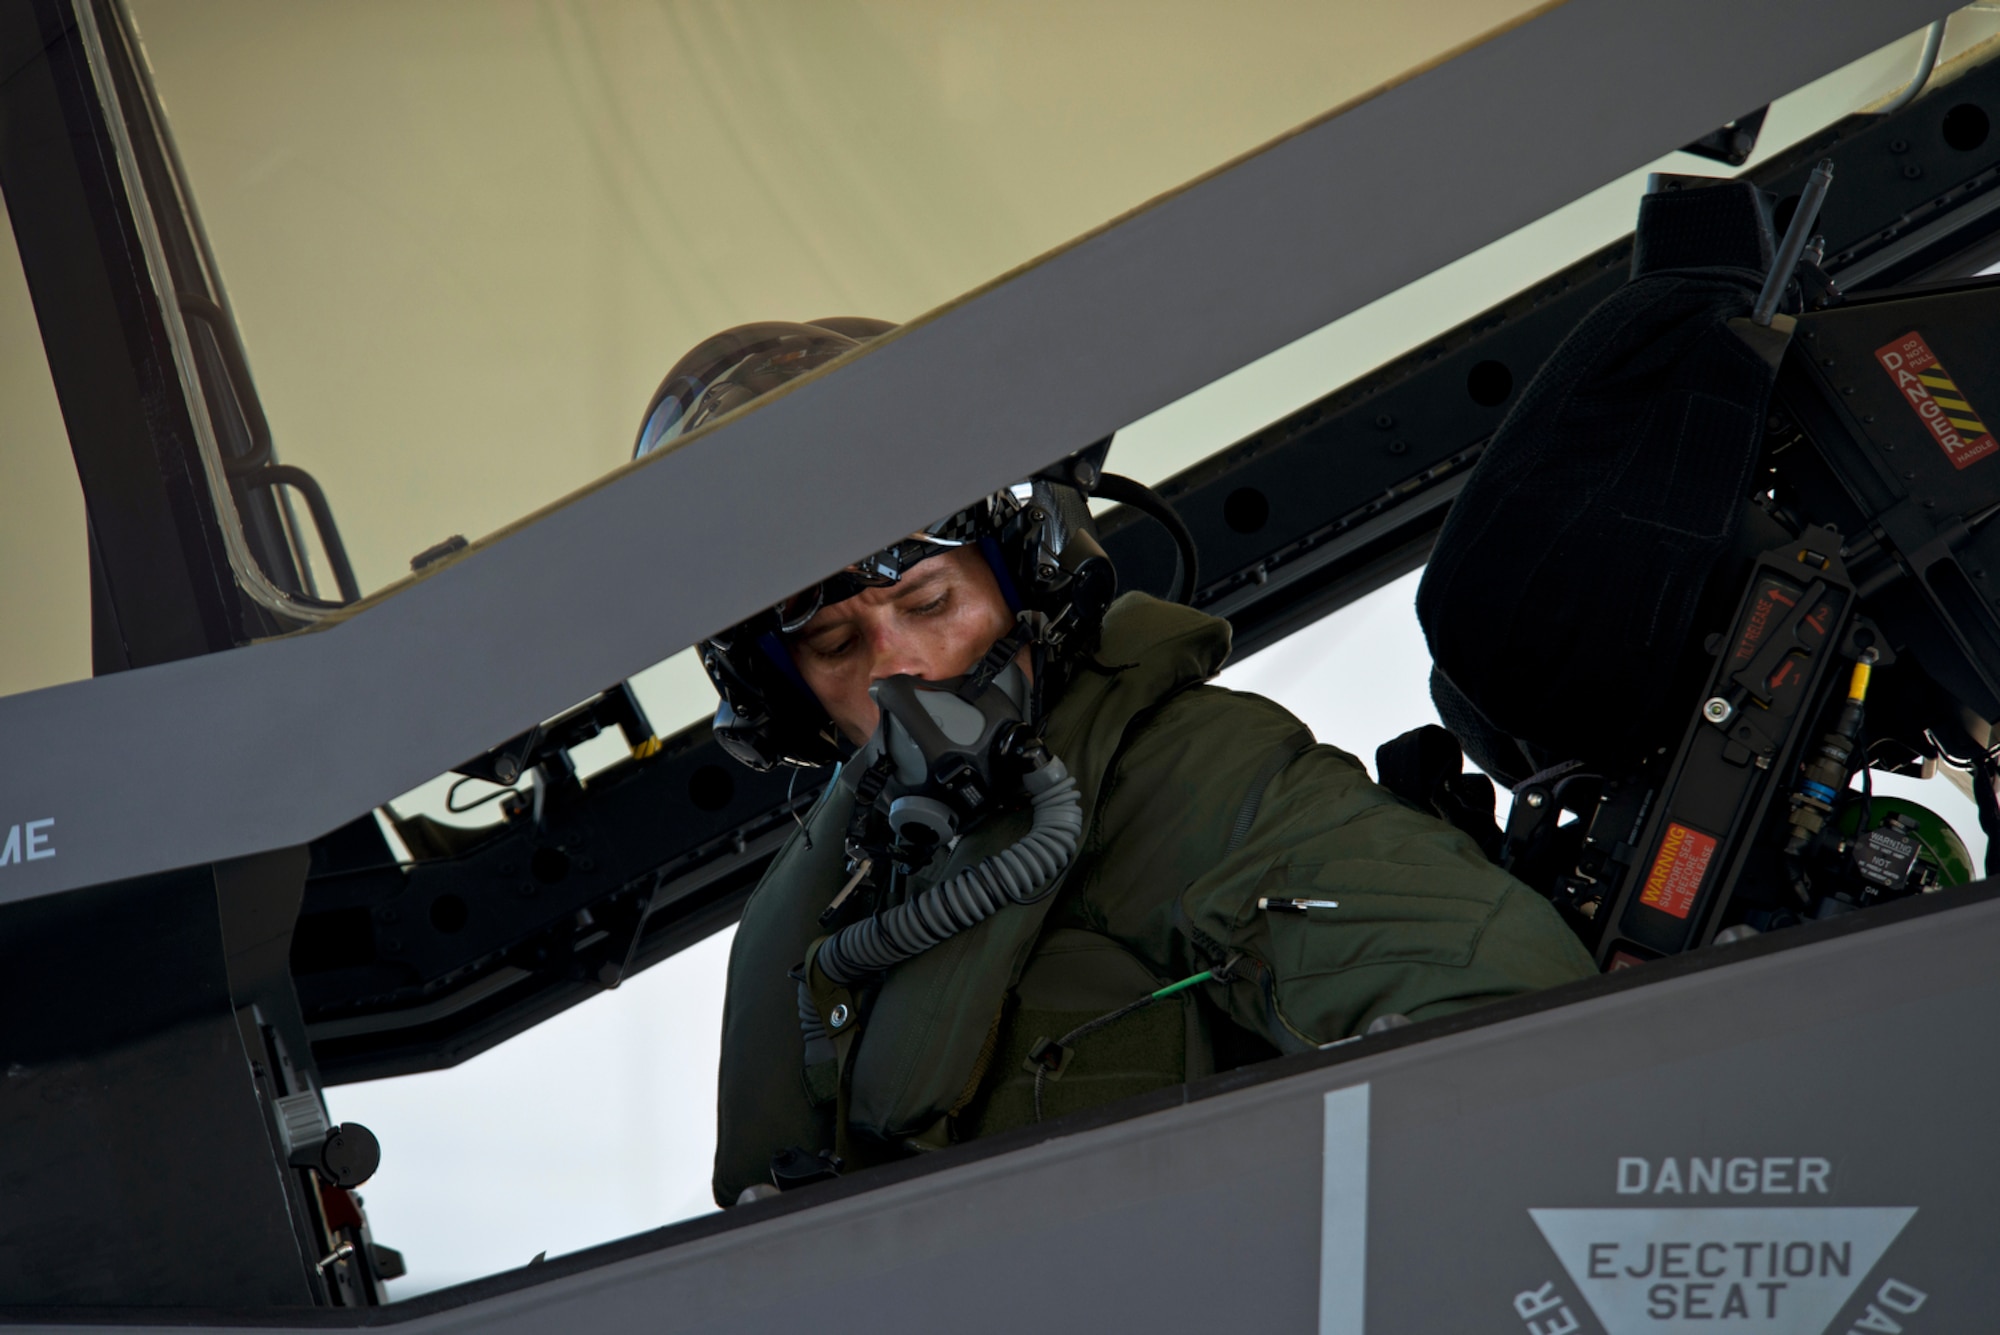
270,746
1866,1049
129,1106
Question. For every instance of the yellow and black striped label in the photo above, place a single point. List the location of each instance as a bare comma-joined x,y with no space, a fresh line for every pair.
1937,400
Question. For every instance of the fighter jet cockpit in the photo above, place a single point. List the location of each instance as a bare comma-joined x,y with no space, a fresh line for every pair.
730,664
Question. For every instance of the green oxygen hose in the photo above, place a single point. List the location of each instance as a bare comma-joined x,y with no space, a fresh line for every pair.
1183,985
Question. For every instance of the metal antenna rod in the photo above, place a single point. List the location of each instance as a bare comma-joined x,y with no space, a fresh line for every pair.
1794,244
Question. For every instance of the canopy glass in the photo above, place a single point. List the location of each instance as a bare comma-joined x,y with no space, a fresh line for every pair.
463,241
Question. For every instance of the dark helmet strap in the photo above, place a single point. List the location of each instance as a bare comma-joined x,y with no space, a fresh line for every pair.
1027,630
989,547
773,648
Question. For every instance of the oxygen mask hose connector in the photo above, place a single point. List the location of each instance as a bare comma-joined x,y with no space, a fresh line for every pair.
1825,774
1022,873
946,755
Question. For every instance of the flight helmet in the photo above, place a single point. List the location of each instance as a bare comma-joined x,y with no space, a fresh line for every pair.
1037,536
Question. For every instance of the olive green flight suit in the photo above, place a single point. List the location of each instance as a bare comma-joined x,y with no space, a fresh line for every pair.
1200,801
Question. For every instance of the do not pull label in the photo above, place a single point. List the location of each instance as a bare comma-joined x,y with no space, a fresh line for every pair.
1937,400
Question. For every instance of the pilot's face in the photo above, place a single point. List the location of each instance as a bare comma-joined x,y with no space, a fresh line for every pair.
935,623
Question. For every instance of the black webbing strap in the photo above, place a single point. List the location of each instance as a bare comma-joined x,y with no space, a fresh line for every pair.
1985,774
997,658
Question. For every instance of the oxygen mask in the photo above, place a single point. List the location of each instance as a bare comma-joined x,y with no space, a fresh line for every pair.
944,756
949,752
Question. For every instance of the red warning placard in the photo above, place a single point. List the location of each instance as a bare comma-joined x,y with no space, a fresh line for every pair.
1675,880
1937,400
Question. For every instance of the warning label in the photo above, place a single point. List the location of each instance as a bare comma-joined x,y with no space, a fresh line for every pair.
1782,1271
1937,400
1677,872
1772,594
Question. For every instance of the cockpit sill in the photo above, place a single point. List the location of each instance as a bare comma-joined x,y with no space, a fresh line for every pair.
1368,1055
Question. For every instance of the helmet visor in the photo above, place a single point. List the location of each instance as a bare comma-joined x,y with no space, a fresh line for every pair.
729,371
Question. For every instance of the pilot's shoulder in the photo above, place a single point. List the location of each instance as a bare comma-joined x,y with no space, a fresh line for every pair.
1202,753
1239,723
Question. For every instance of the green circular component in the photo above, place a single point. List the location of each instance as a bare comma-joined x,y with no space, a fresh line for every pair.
1939,844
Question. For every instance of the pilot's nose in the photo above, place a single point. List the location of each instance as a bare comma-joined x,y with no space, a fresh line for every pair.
898,655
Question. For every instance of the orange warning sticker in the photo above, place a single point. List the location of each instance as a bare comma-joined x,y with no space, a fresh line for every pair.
1772,594
1677,872
1937,400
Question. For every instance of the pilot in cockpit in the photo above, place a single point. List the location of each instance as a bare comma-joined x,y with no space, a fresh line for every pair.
1054,868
